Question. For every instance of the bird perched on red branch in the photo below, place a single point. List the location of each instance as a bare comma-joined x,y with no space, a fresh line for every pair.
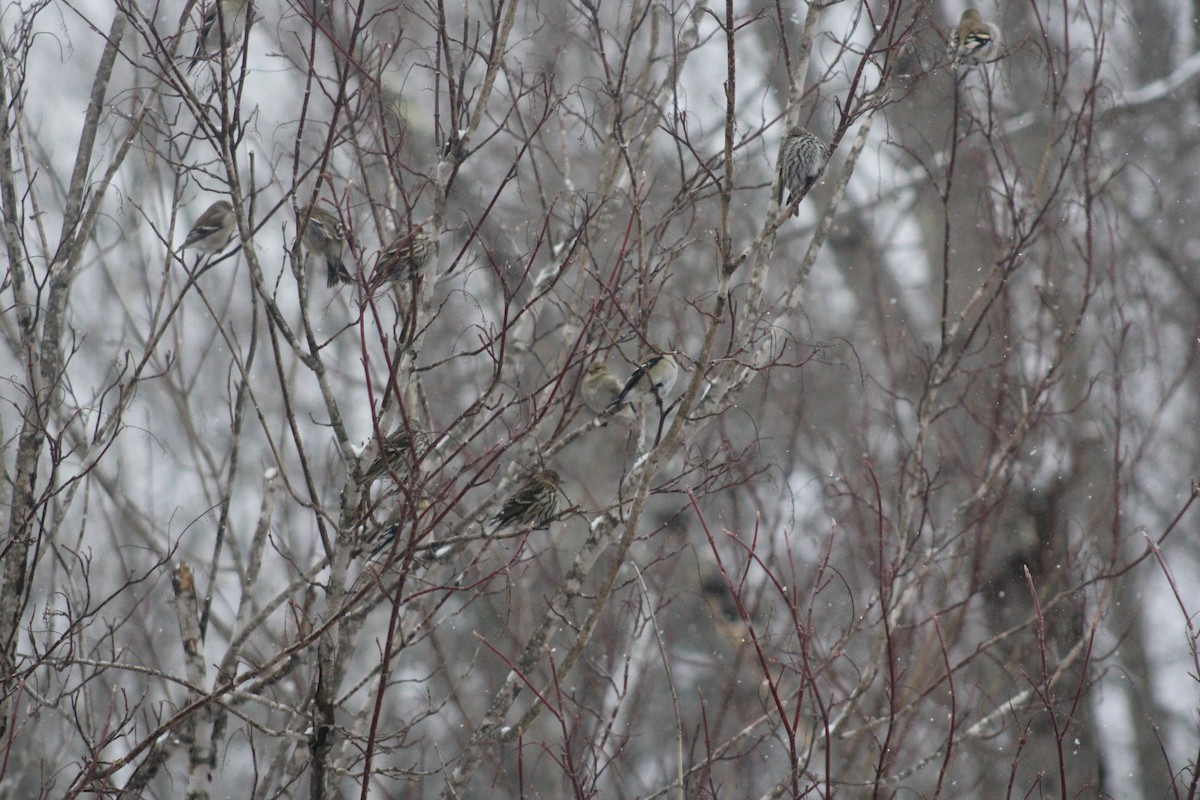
534,504
393,457
403,259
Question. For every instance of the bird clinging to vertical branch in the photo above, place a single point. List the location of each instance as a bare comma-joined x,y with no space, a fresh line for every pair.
325,237
802,159
533,505
974,41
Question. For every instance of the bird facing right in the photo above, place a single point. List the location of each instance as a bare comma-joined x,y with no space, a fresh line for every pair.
403,259
213,230
974,41
534,504
325,236
802,159
654,378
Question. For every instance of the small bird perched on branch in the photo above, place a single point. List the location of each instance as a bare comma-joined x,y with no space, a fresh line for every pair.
534,504
403,259
974,41
654,377
393,456
600,390
213,230
802,159
232,15
325,237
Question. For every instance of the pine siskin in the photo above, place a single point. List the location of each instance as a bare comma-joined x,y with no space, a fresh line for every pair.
654,377
325,236
233,24
403,259
393,457
802,159
213,230
534,505
974,41
600,389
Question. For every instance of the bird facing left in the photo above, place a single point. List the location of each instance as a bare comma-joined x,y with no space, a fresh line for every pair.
534,504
